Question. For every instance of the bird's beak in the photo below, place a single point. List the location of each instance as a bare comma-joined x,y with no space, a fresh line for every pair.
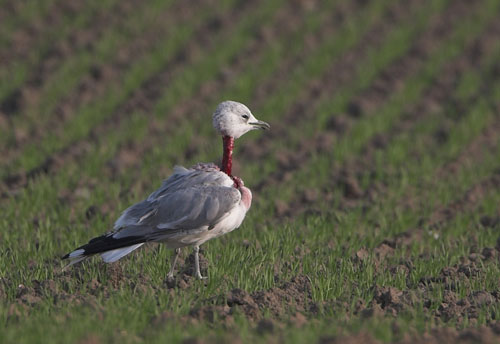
260,125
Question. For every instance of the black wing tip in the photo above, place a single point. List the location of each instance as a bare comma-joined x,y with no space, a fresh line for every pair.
91,241
105,243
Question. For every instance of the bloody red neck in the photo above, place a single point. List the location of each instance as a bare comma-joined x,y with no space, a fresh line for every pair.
227,158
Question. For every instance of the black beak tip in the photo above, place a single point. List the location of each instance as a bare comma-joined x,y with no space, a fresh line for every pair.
261,125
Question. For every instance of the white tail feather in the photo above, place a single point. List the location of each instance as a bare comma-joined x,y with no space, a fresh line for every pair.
76,257
114,255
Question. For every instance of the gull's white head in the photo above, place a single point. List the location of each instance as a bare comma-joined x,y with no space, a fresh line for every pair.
235,119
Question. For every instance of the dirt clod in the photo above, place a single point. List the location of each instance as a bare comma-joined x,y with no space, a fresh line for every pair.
362,254
265,326
291,297
490,221
389,299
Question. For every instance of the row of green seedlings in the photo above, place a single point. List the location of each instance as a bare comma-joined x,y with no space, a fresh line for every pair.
67,75
364,130
17,72
391,217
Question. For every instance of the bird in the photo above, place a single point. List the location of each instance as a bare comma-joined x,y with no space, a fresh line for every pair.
190,207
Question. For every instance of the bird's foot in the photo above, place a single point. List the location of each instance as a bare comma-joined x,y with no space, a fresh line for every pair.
170,281
200,277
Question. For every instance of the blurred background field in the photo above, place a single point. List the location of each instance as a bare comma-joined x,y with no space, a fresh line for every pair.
376,209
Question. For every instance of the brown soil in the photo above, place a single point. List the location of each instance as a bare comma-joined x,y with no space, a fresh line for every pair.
293,298
392,301
485,334
467,202
72,287
486,141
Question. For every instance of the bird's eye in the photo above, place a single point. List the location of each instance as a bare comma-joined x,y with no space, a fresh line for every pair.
244,116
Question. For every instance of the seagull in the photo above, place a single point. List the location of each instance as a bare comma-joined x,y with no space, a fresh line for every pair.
191,207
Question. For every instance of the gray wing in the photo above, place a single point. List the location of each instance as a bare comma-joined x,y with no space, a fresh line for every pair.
196,208
201,175
189,199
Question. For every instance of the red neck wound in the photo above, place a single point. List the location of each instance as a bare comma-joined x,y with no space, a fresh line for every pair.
227,157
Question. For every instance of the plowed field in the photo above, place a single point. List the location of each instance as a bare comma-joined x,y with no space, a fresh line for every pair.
376,211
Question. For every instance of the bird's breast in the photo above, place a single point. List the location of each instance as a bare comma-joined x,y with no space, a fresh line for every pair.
246,197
